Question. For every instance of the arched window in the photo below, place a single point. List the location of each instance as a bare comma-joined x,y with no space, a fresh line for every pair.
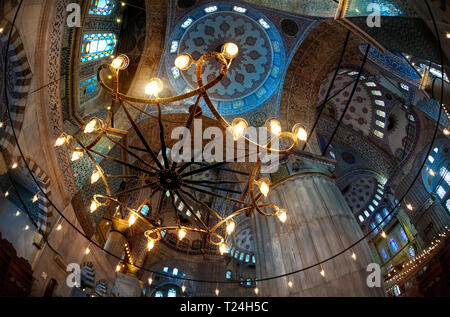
144,210
228,275
165,269
159,294
393,245
172,293
438,182
101,7
397,290
402,235
175,271
412,253
97,46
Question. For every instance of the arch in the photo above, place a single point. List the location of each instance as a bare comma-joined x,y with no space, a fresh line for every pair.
45,209
19,74
50,288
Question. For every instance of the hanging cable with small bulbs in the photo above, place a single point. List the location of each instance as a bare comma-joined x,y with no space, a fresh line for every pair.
238,128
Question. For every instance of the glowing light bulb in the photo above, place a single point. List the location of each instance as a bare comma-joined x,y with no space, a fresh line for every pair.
446,131
94,206
354,256
87,251
300,132
90,127
14,165
1,123
217,292
35,198
60,141
431,172
290,284
322,272
223,248
120,62
76,156
282,215
17,213
96,174
231,226
256,290
383,234
27,227
6,193
132,220
230,50
274,126
264,186
181,234
409,206
183,288
238,127
183,61
150,281
150,244
154,87
117,268
59,227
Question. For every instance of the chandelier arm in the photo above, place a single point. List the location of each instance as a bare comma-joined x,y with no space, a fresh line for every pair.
190,209
216,182
97,166
135,188
188,126
130,152
224,169
137,214
219,188
251,184
230,217
160,205
165,100
161,137
217,195
124,163
203,169
176,228
172,200
201,203
141,137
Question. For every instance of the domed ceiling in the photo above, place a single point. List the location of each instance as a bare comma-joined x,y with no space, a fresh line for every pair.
256,72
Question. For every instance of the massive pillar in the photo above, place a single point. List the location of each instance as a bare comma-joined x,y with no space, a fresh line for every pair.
115,243
319,225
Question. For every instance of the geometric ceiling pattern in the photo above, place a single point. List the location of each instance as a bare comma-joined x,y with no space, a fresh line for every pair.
255,73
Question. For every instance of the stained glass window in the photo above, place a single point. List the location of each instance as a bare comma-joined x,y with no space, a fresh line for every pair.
444,173
144,210
366,213
166,269
381,113
447,204
376,92
412,253
378,218
397,290
249,282
172,293
361,218
97,46
159,294
379,123
431,159
247,258
383,254
371,84
441,192
101,7
378,134
379,103
403,235
373,227
241,257
228,275
89,89
371,208
175,271
253,259
393,245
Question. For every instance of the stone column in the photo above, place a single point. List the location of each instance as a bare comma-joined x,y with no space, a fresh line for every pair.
116,240
319,225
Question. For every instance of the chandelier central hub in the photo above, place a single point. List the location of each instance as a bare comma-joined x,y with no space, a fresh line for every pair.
170,179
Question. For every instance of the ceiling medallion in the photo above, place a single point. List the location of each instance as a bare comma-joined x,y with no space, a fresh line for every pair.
173,179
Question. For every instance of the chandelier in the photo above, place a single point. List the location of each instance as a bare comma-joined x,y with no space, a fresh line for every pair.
167,178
